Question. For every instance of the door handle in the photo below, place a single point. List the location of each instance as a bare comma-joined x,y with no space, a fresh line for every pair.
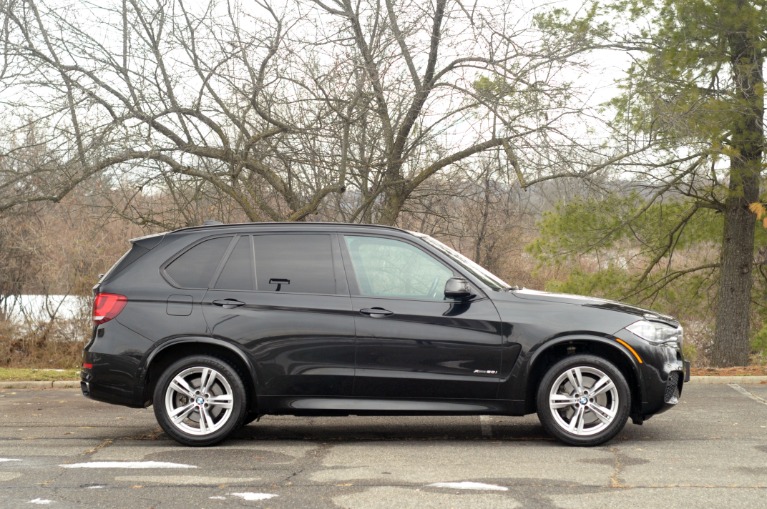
376,312
228,303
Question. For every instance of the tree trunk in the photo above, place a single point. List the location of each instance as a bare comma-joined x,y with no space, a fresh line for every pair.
731,340
393,201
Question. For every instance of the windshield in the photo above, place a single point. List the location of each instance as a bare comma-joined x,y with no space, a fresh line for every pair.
474,268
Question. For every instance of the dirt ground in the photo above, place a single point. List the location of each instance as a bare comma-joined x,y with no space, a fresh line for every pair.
754,370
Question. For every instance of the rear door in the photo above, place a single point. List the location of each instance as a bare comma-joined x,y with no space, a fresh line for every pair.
283,297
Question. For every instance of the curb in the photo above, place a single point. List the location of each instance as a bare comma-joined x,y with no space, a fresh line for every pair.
728,380
58,384
697,380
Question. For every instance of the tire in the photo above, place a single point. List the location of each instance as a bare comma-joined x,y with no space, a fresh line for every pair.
571,410
199,400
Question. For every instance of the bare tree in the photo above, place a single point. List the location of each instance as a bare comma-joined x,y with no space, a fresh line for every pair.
441,83
158,90
334,108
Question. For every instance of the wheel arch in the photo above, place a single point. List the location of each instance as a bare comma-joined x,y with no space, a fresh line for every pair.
604,347
178,348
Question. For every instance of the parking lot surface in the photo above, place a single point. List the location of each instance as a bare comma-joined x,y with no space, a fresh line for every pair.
62,450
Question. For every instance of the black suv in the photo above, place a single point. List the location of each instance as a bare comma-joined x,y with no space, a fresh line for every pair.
218,325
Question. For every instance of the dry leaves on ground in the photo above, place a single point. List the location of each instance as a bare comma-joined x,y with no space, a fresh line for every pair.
754,370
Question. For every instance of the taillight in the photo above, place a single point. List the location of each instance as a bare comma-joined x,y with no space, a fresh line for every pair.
107,306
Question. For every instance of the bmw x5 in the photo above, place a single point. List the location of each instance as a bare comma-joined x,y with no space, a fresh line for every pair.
218,325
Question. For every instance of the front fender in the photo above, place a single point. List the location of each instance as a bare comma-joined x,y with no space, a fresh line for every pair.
534,363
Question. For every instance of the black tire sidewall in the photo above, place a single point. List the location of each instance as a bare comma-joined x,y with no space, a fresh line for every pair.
545,414
238,396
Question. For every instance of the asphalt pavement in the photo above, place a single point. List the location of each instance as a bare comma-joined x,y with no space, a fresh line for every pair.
62,450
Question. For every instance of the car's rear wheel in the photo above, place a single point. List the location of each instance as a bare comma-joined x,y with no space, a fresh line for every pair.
583,400
199,400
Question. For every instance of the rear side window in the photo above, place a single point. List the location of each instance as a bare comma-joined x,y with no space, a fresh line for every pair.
196,267
294,263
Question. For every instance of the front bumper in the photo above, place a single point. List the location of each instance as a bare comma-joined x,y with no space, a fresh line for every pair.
662,373
674,385
662,388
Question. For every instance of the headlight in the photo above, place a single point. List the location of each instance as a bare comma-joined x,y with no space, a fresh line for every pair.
658,333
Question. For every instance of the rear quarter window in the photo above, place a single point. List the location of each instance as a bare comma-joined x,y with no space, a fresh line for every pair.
195,267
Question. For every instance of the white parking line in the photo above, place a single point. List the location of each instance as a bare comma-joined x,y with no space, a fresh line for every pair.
127,464
748,394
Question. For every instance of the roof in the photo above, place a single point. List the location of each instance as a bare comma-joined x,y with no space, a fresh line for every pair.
320,226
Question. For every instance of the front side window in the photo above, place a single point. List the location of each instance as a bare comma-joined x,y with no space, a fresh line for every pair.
474,268
392,268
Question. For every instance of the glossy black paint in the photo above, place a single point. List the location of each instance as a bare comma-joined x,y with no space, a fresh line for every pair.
299,344
427,350
341,352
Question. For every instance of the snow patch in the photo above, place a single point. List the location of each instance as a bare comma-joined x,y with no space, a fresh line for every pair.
34,308
254,496
127,464
41,501
468,486
4,460
217,498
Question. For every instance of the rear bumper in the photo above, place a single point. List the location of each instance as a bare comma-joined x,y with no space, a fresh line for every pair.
105,382
113,359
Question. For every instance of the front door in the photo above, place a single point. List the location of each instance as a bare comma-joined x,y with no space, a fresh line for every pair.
412,342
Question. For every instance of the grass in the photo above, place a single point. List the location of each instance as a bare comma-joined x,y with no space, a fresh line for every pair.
38,375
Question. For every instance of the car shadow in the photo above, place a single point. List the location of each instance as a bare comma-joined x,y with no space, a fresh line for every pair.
369,429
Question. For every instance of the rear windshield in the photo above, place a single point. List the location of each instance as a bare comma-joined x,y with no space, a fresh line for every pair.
139,247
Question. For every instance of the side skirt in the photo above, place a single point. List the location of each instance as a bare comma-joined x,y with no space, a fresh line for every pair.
283,405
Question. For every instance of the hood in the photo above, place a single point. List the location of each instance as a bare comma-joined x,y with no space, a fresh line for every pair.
594,302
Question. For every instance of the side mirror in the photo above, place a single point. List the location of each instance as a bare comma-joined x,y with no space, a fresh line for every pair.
458,288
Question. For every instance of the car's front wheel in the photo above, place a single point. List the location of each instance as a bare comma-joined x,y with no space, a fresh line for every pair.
583,400
199,400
